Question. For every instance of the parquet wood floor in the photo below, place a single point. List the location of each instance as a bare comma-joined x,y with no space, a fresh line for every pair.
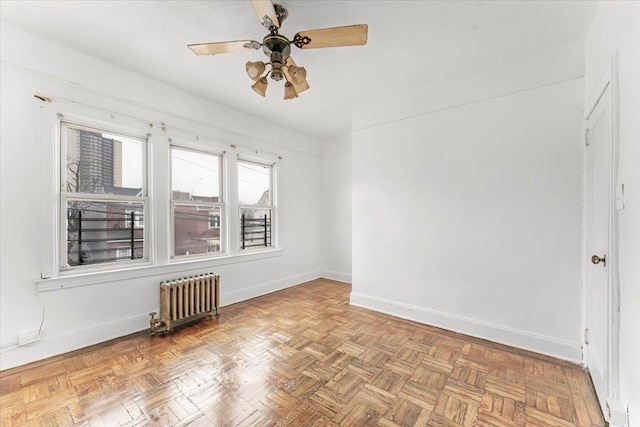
300,357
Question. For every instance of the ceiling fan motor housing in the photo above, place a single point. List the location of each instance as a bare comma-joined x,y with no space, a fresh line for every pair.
278,49
277,44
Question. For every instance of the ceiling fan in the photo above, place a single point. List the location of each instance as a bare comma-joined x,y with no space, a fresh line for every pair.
278,48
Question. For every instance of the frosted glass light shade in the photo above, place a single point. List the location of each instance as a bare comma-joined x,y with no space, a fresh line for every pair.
289,91
298,74
260,87
255,70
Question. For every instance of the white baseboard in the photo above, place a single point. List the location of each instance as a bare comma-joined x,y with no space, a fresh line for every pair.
514,337
616,413
244,294
13,355
50,346
336,275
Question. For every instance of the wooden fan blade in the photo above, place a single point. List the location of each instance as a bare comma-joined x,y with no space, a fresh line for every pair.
351,35
224,47
299,88
264,8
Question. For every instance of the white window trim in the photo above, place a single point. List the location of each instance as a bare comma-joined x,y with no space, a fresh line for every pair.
183,267
83,118
157,221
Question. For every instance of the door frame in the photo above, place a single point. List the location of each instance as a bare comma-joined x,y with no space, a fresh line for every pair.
608,79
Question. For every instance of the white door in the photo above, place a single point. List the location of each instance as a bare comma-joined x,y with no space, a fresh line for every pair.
598,156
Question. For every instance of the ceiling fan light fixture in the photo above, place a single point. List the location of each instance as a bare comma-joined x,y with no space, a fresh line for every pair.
260,87
277,48
298,74
255,70
289,91
276,74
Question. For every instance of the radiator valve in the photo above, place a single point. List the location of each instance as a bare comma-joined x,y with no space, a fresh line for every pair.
154,323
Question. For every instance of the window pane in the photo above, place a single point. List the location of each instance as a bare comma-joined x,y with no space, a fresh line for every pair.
254,183
196,229
195,176
103,163
99,232
255,228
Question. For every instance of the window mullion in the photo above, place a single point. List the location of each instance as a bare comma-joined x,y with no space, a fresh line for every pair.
233,216
104,197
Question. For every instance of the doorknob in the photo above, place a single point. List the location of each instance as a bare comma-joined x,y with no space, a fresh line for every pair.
597,260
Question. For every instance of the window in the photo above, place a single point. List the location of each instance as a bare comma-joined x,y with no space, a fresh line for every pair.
104,194
106,205
123,252
255,197
136,216
214,221
196,199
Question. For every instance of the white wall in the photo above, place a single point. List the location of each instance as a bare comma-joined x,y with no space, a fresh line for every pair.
336,208
468,217
616,28
83,315
563,63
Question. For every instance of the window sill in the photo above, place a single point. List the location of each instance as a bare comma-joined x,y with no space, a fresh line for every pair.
182,266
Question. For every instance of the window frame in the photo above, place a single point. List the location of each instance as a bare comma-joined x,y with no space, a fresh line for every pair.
63,124
113,118
221,203
272,206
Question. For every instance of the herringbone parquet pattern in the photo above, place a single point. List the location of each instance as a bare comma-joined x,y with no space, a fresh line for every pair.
300,357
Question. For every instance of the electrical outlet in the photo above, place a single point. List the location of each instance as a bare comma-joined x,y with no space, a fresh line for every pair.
28,338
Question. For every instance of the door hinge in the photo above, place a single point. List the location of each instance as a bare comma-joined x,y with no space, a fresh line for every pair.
586,336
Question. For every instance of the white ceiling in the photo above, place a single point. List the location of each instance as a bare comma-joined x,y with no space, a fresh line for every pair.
411,43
